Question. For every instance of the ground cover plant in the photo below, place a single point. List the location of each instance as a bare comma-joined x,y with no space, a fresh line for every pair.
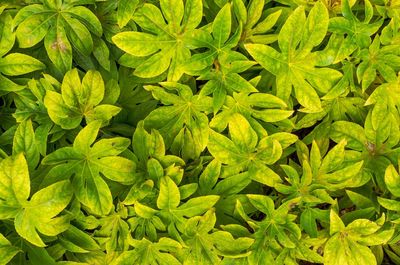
199,132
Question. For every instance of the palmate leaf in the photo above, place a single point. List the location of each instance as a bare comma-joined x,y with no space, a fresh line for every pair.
115,229
146,252
206,246
225,79
86,162
146,222
358,32
255,107
295,64
13,64
64,25
385,60
349,245
182,121
377,139
255,29
79,100
244,150
38,214
169,201
330,172
163,46
220,64
277,224
153,161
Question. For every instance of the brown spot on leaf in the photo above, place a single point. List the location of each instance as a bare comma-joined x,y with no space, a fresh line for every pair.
59,45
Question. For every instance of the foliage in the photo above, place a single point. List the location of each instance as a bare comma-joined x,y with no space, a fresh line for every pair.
199,132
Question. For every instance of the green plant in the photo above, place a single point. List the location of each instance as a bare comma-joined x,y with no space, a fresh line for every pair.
199,132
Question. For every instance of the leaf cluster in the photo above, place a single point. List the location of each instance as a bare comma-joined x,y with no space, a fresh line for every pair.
199,132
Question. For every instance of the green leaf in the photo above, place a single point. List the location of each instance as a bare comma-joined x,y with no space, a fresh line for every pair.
24,142
308,223
197,206
88,162
241,133
79,99
192,16
342,251
163,42
389,204
125,12
182,116
223,149
7,251
336,224
316,26
87,18
33,29
295,65
221,27
14,177
79,35
39,214
19,64
169,197
351,132
7,38
209,176
392,180
59,48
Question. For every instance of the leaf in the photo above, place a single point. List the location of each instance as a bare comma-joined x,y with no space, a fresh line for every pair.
7,38
183,115
165,50
223,149
316,26
79,99
59,48
289,66
209,176
351,132
389,204
24,142
334,158
197,206
308,223
336,224
41,211
79,35
87,163
241,133
14,177
18,64
7,251
33,29
358,32
392,180
64,28
125,12
192,16
338,251
221,28
169,197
